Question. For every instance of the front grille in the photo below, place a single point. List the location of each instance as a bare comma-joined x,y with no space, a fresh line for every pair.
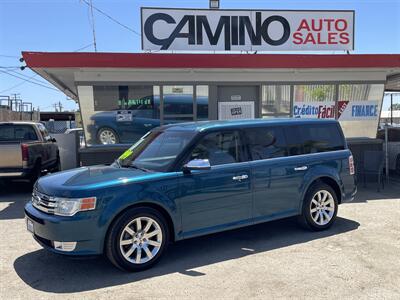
43,202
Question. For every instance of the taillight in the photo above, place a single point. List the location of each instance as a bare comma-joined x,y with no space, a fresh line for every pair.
25,152
351,165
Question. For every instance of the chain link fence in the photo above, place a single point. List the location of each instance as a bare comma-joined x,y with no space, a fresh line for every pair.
58,126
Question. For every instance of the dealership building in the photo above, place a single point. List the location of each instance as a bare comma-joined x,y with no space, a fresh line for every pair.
123,95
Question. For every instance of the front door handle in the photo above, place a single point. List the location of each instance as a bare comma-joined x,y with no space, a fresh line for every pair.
240,177
302,168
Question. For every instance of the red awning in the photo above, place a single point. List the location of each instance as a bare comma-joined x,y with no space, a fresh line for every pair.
202,61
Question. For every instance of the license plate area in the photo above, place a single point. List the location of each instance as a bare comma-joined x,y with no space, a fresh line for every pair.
29,225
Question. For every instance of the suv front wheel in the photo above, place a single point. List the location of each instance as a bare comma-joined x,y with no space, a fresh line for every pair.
320,207
137,239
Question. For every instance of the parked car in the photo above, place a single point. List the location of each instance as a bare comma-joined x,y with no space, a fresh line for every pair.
190,179
129,124
393,147
26,150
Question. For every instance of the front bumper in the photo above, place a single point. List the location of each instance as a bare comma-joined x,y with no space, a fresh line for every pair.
81,228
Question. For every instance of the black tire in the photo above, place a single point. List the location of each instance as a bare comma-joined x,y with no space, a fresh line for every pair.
36,173
315,217
104,129
117,232
398,165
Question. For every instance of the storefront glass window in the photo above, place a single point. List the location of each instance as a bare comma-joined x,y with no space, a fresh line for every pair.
359,108
122,114
178,100
202,102
275,100
314,101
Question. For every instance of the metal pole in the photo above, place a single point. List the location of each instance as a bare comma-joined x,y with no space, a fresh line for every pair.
386,152
391,109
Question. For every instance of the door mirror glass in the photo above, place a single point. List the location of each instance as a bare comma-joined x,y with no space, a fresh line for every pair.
197,164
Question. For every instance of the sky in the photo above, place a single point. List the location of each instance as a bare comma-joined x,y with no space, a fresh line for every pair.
65,25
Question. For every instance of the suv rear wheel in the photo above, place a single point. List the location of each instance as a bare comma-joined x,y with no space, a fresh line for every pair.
320,207
137,239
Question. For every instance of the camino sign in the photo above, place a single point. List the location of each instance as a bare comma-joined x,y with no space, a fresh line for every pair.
246,30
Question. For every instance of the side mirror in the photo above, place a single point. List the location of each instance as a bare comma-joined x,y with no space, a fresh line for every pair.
197,164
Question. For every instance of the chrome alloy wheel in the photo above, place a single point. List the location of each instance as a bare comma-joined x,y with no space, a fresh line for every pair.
107,137
322,207
141,240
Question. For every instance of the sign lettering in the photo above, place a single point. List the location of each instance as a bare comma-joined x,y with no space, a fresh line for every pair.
180,29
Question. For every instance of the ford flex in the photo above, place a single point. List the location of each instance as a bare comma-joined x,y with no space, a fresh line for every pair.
185,180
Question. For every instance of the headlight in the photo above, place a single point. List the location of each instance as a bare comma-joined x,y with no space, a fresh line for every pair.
69,207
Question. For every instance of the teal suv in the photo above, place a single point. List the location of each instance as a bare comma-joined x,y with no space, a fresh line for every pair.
185,180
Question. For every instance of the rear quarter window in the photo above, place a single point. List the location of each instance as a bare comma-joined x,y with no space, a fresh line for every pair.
314,138
321,138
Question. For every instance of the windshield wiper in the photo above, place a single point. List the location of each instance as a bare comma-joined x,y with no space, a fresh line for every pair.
138,168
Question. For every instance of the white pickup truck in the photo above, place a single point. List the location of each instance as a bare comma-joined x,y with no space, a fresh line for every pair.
26,150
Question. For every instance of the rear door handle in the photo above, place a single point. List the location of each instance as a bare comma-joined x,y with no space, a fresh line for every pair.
240,177
302,168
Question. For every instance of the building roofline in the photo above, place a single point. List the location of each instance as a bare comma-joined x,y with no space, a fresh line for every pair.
215,61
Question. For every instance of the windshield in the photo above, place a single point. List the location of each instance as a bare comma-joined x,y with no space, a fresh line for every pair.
155,151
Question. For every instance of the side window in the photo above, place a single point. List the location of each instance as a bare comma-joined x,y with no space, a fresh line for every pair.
321,138
266,142
219,148
294,140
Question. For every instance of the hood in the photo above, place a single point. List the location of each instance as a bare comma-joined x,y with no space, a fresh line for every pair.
87,179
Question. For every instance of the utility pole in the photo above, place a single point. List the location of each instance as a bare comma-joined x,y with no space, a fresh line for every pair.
93,29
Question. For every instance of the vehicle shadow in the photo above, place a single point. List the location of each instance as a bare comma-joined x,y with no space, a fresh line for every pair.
370,193
16,194
53,273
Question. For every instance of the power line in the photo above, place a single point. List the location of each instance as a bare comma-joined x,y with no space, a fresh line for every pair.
9,56
9,67
4,69
111,18
28,80
93,26
18,84
28,77
87,46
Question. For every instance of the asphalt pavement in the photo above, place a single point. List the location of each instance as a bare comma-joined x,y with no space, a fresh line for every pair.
358,258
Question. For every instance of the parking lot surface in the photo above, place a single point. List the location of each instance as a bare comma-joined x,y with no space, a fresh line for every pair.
357,258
